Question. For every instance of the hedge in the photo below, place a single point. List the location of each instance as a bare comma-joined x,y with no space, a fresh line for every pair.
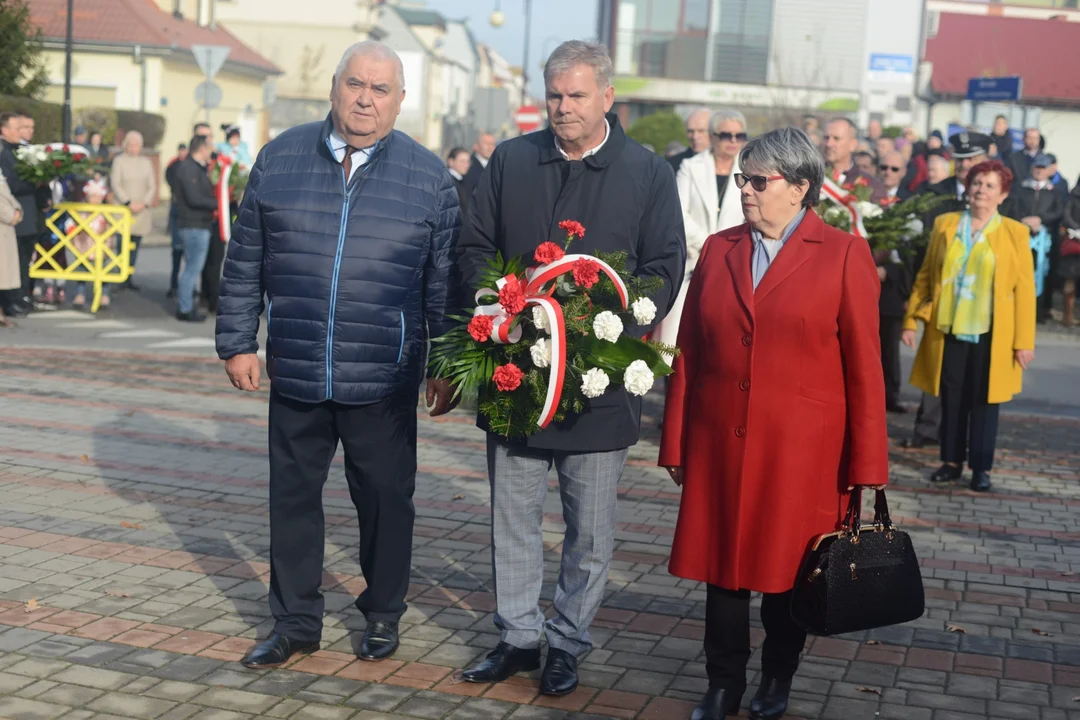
49,120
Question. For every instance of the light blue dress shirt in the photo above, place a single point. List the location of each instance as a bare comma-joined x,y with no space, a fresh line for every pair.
765,251
359,157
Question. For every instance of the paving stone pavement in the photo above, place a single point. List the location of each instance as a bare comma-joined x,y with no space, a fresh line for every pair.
133,518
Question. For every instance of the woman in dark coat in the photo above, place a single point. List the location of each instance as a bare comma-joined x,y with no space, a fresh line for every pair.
775,412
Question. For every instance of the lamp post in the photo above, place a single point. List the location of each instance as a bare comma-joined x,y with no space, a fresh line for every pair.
67,70
497,19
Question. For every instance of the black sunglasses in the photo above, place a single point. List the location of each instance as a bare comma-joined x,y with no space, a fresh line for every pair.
729,137
758,182
889,167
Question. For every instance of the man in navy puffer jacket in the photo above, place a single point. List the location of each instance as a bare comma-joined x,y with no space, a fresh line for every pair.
347,228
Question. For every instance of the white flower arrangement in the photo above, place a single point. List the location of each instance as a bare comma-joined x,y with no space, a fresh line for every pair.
868,209
638,378
541,353
594,383
608,326
540,319
644,311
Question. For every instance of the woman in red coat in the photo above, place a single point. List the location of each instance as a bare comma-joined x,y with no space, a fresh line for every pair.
775,411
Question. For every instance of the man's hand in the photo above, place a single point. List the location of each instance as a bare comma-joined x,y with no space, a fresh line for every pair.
136,207
1034,222
908,338
881,274
1024,358
244,371
18,218
440,397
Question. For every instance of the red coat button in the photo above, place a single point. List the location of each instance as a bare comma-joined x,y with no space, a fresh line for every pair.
744,385
746,339
740,431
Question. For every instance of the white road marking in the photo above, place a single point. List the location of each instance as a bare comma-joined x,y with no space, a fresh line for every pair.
144,333
191,342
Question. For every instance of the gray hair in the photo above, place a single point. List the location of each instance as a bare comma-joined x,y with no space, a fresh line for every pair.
371,48
937,160
134,136
720,117
847,121
578,52
788,152
697,111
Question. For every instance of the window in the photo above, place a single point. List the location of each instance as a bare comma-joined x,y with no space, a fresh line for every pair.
742,41
696,16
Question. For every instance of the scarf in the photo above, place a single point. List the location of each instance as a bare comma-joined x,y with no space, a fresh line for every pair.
967,282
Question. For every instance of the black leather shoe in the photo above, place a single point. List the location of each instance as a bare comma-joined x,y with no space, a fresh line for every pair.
717,704
194,317
560,673
917,443
275,651
771,699
947,473
16,311
380,640
896,407
502,662
980,481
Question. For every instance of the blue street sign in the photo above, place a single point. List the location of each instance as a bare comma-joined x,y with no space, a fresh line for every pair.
1000,89
884,62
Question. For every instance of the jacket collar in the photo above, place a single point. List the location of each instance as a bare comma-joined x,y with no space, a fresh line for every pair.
327,129
606,155
811,232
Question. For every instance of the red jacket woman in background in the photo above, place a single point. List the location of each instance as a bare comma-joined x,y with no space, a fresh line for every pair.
776,409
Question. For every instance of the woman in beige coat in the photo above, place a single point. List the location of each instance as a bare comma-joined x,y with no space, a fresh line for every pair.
10,216
133,184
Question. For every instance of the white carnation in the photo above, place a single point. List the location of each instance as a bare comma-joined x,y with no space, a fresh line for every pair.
638,378
868,209
541,353
644,311
835,214
594,383
540,319
607,326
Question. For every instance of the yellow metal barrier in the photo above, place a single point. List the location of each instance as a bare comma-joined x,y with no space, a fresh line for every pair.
104,232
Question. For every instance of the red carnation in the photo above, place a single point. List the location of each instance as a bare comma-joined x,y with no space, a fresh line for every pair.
480,327
573,228
57,163
512,296
508,377
586,272
862,181
66,148
78,157
890,201
548,253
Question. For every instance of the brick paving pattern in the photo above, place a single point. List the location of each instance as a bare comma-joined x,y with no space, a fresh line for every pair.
134,522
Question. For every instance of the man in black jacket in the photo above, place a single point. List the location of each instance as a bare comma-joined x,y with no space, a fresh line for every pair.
27,230
1020,162
1002,138
195,206
481,156
697,137
1038,205
582,168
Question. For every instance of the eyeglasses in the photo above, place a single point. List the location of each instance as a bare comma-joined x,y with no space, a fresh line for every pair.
889,167
729,137
758,182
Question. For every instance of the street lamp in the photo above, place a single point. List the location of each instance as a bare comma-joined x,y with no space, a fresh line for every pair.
67,71
497,19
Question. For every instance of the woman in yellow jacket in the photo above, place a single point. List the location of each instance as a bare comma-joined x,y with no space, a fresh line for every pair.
977,287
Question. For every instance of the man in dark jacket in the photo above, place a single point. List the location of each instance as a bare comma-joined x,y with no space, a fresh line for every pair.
177,245
841,142
1002,138
482,150
458,163
347,227
583,168
1038,205
26,194
697,137
1020,162
195,206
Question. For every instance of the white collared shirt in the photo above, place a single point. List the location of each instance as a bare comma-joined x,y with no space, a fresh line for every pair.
482,160
893,191
359,157
587,153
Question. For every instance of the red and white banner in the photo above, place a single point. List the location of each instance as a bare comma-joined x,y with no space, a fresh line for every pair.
848,201
506,328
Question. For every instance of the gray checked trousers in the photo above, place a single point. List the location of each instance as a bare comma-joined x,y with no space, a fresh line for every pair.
588,484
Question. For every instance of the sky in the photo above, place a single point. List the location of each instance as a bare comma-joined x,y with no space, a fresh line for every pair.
553,22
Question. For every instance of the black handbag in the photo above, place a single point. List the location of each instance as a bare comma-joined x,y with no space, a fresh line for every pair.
859,578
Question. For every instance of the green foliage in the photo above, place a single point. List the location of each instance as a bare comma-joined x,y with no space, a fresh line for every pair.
49,119
97,119
658,130
150,125
894,228
22,67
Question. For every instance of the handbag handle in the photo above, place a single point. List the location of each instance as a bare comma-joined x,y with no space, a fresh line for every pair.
853,517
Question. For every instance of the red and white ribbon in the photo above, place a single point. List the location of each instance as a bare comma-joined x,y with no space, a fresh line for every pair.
848,202
506,330
224,197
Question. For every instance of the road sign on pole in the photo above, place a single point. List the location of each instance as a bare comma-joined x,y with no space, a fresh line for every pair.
527,118
210,58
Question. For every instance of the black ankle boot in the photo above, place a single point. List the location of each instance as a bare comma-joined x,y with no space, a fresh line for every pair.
771,699
717,704
947,473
